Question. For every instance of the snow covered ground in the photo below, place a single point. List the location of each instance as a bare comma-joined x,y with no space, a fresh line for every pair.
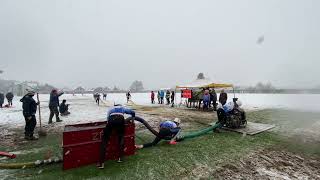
84,109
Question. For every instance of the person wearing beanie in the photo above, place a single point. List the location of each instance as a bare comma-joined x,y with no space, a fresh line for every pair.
29,107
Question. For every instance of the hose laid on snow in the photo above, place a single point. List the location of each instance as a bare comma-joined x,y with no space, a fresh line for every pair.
139,119
29,164
198,133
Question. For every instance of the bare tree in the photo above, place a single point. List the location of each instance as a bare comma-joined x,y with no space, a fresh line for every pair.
200,76
136,86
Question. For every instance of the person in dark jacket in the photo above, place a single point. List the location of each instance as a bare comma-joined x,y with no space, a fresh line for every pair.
213,98
97,98
128,95
223,97
168,97
1,99
173,94
159,97
104,96
29,107
9,97
54,104
64,108
116,122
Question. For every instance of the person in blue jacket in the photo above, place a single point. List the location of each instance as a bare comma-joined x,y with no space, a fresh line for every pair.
115,121
161,97
169,130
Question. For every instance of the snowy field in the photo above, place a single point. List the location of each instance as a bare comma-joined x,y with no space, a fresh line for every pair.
84,109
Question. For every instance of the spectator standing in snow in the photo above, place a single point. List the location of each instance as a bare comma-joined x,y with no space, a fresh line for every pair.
104,96
168,97
29,107
213,98
206,99
97,98
172,98
54,104
152,97
128,96
1,99
9,97
158,97
161,97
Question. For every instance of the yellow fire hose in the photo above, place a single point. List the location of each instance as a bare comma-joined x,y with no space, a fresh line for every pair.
29,164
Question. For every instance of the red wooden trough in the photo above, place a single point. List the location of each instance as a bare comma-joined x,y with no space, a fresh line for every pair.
81,144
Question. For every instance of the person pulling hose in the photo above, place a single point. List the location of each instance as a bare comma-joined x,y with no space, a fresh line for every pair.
169,130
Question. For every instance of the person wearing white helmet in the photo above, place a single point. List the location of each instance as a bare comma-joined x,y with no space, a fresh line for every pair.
168,130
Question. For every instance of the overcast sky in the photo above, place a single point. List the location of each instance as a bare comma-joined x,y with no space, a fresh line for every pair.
162,43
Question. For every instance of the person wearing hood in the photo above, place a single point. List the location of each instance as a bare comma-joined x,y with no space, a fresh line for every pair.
54,104
1,99
9,97
168,130
29,107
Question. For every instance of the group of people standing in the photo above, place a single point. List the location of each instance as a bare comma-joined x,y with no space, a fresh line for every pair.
9,96
210,98
161,95
29,110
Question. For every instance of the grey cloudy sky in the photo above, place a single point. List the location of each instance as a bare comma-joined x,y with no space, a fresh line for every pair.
114,42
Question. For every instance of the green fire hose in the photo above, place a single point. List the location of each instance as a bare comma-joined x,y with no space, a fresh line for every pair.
198,133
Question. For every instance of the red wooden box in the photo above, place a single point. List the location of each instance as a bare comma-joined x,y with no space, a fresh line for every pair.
81,144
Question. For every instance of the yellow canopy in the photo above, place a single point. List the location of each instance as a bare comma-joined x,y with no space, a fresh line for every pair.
204,83
212,85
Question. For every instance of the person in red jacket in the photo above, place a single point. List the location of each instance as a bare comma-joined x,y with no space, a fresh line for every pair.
152,97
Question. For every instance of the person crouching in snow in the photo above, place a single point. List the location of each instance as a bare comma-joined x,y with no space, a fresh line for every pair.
169,130
64,108
116,122
29,107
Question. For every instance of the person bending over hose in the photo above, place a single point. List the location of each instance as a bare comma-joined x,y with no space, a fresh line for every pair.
115,121
169,130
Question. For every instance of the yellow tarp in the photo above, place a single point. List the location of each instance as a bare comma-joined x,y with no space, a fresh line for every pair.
212,85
